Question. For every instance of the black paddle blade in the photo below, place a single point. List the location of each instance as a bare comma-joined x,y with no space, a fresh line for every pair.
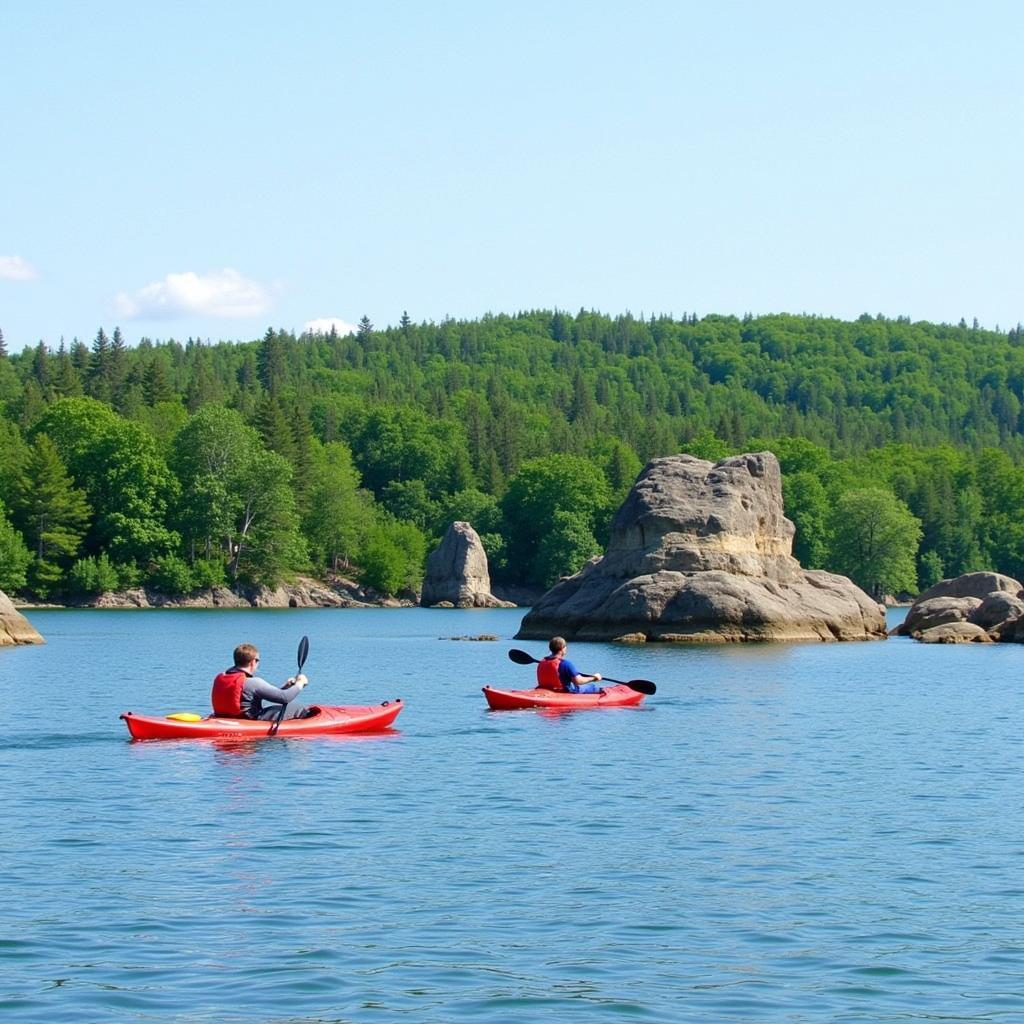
642,686
521,657
303,651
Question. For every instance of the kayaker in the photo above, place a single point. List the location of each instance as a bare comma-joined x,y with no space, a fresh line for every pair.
557,672
239,693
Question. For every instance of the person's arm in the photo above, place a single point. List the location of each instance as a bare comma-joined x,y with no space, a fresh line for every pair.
572,677
271,694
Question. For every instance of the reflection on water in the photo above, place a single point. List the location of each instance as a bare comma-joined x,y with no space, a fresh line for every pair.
784,832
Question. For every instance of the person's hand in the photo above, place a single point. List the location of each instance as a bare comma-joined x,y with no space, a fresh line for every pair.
300,681
597,677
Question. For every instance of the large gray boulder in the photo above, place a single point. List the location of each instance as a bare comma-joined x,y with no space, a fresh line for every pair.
14,627
986,601
940,610
702,552
457,572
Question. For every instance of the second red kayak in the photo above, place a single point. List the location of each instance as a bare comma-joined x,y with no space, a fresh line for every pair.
328,721
513,700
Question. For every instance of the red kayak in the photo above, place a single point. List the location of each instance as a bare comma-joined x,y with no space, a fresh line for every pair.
512,700
328,721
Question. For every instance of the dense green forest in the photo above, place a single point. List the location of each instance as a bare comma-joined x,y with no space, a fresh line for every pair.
187,465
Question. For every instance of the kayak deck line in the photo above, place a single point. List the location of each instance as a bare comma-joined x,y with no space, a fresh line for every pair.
329,720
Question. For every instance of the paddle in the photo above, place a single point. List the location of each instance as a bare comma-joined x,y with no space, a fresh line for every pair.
640,685
303,652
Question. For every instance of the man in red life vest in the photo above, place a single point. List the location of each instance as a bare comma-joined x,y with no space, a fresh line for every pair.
239,693
557,672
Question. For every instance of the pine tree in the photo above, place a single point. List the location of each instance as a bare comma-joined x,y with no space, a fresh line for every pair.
272,362
3,346
51,512
155,385
80,357
99,368
274,428
117,366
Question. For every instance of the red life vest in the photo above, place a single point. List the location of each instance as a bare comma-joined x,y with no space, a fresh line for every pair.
226,696
547,673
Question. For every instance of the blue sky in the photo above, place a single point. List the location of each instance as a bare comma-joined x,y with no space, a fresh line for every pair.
210,169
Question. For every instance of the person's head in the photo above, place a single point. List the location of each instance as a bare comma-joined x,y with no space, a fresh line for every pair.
556,645
246,655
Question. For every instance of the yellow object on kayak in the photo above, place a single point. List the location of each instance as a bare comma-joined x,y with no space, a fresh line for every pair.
186,716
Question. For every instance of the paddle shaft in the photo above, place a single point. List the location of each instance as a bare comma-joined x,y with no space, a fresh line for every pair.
301,656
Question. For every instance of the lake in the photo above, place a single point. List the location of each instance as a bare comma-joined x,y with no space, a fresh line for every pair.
783,833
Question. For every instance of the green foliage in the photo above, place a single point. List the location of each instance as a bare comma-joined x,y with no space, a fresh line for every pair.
14,556
172,575
207,573
51,513
93,575
339,512
439,421
875,538
566,546
392,557
930,571
541,489
808,506
237,497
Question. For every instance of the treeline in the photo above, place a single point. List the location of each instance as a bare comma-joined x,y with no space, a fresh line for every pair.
183,465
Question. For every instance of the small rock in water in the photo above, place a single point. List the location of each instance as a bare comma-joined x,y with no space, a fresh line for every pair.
482,636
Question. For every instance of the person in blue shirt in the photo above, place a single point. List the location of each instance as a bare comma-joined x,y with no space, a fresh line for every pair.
556,666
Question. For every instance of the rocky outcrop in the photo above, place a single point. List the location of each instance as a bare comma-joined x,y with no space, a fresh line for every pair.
977,606
302,592
702,552
954,633
457,574
14,627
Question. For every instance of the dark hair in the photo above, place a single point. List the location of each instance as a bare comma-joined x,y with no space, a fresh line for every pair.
556,644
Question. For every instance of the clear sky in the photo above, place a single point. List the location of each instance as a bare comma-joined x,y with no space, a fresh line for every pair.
210,169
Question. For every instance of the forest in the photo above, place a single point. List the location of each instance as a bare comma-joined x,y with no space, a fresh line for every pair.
186,465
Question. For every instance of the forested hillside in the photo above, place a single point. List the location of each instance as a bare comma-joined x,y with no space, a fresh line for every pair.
183,465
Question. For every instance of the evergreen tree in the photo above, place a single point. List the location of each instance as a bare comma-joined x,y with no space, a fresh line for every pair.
272,363
66,380
51,512
14,556
99,382
156,386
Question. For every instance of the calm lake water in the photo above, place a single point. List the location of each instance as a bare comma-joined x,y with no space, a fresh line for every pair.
782,833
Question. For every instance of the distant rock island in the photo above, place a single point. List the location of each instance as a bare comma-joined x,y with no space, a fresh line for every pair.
702,552
978,607
457,573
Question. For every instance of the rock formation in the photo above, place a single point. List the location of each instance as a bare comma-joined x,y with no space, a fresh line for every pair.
702,552
457,572
976,607
14,627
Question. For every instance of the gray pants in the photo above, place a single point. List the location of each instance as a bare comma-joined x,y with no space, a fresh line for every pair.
293,709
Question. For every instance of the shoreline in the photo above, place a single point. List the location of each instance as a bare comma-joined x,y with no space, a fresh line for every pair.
302,592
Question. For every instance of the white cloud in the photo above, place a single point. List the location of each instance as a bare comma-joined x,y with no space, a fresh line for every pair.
323,325
14,268
219,293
